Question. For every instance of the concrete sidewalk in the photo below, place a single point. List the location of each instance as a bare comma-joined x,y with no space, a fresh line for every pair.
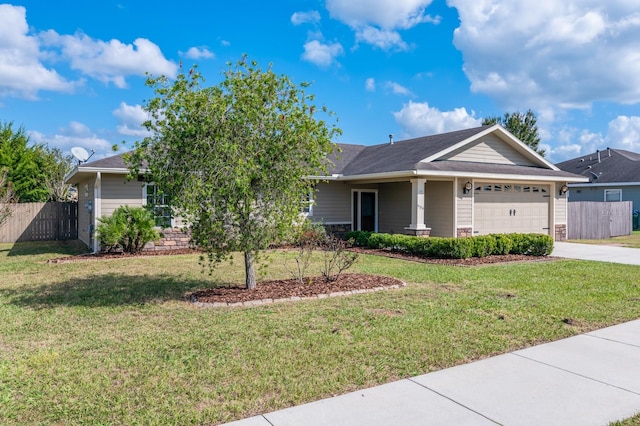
628,256
590,379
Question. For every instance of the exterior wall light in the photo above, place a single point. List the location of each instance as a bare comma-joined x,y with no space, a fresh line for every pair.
467,187
563,189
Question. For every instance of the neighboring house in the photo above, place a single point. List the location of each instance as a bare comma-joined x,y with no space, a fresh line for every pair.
613,175
458,184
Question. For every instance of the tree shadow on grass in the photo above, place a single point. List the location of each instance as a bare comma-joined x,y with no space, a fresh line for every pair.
67,248
109,290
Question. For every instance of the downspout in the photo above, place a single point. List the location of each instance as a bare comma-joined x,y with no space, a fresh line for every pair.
97,210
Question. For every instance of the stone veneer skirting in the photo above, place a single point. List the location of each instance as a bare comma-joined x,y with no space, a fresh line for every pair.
465,231
561,232
170,239
419,232
339,230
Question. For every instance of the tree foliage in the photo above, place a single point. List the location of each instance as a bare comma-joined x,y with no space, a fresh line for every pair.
35,171
57,166
232,156
7,197
523,126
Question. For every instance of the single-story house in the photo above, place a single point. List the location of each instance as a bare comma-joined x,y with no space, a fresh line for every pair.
613,175
458,184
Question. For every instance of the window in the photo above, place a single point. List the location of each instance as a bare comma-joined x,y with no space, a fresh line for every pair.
613,194
158,204
307,205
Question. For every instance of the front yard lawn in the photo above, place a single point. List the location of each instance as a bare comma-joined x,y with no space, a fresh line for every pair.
114,341
632,240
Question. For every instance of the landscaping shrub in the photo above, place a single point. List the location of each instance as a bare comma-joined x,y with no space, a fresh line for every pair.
458,248
484,245
127,229
504,243
360,238
307,238
336,258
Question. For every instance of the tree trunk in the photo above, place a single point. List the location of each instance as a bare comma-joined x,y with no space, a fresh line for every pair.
250,273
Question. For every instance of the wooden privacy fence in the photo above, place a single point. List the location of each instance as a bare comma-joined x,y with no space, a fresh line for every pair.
41,222
591,220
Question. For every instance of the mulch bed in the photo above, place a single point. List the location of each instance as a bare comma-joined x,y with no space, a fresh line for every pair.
292,289
472,261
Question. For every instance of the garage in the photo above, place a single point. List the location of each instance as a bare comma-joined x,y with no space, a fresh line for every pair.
509,207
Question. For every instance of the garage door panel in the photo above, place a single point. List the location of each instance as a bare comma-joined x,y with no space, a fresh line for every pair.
506,208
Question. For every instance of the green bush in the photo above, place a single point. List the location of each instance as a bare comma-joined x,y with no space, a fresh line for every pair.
484,245
540,245
457,248
360,238
127,229
504,243
531,244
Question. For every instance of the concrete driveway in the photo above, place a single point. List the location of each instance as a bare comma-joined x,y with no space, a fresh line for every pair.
628,256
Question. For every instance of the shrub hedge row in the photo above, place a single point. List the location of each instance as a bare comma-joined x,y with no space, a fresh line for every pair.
456,248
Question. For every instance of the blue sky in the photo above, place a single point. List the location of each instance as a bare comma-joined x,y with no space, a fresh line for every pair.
72,73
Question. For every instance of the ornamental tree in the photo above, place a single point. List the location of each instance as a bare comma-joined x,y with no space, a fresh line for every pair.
235,158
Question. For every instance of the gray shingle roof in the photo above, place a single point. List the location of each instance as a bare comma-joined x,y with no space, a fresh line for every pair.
403,155
615,165
113,162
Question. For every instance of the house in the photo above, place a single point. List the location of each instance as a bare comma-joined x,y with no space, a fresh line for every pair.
469,182
102,186
613,175
458,184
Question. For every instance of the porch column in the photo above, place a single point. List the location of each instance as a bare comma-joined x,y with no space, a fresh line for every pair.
417,205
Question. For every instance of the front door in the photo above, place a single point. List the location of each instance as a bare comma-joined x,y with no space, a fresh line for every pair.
364,211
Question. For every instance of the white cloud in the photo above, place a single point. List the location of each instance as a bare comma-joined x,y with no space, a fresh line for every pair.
110,61
397,89
623,132
198,53
384,39
310,17
131,118
381,13
370,84
419,119
376,22
321,54
77,134
21,72
558,53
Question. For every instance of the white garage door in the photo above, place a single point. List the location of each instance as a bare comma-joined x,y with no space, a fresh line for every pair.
505,208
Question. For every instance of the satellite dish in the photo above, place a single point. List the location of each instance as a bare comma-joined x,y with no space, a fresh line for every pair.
81,154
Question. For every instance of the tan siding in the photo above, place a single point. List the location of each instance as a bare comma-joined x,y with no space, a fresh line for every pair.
439,208
118,191
560,207
465,205
394,207
489,149
332,203
85,217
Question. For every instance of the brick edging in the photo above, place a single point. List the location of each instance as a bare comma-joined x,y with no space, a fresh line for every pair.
261,302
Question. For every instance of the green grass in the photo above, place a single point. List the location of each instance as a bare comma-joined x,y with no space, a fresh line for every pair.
632,240
114,342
